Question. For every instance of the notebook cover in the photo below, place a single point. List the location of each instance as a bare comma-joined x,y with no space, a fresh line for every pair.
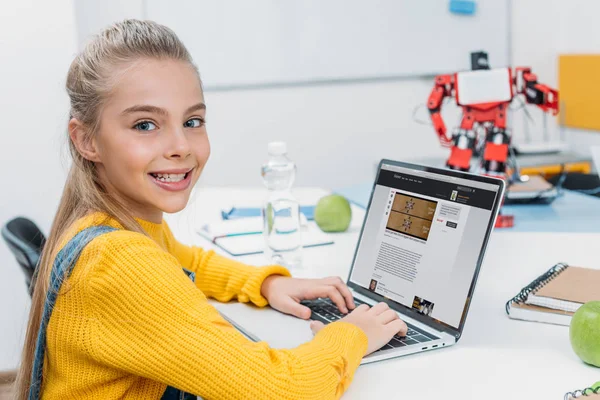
575,284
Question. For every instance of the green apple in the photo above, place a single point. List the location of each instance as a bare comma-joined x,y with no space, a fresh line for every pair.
585,333
333,213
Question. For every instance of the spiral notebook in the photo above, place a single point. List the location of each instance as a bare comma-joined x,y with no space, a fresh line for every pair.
555,295
590,393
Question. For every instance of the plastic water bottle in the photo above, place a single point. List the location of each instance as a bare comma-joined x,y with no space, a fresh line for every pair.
281,212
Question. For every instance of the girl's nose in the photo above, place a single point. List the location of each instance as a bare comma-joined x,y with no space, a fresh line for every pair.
179,146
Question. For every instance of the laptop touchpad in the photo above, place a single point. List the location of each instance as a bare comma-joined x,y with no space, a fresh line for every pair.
265,324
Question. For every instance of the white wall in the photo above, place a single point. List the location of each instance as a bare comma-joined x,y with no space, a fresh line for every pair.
37,42
92,16
543,29
335,133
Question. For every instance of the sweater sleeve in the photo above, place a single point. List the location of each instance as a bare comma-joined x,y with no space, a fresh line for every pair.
151,321
222,278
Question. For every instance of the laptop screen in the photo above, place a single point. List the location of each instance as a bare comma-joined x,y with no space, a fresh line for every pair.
422,238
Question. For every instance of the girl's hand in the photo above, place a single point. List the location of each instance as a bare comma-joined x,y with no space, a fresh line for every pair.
284,294
380,323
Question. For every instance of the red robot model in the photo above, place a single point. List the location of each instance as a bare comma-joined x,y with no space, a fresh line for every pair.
484,94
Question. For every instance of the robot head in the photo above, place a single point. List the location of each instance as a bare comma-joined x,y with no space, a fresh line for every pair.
479,60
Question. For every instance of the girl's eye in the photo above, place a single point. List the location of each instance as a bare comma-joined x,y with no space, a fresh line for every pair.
145,126
194,123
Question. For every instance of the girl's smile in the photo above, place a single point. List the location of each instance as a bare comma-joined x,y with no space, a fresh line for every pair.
172,180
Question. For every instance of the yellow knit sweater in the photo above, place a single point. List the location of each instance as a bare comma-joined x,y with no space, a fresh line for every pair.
128,322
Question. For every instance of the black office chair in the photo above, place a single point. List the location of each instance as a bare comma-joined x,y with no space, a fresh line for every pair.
26,242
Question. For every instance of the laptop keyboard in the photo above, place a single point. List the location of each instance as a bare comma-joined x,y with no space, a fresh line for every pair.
325,311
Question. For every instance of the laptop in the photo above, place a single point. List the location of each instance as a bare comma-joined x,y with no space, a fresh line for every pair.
420,250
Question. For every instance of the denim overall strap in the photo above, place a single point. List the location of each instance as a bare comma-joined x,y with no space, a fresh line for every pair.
175,394
61,269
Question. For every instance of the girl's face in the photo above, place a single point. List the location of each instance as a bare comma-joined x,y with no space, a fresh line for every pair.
152,143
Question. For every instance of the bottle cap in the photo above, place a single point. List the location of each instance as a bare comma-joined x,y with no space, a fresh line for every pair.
277,148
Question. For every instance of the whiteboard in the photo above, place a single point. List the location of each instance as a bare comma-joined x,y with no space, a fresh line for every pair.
238,43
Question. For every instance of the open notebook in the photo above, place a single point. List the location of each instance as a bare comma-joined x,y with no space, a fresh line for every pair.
243,236
555,296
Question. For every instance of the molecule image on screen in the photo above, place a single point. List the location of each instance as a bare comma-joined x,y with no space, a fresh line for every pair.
407,224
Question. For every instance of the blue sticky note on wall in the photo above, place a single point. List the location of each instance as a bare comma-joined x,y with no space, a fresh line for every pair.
464,7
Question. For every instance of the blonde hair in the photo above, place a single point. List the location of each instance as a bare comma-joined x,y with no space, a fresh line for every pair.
89,83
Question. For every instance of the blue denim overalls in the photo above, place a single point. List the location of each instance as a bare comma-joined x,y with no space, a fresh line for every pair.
61,269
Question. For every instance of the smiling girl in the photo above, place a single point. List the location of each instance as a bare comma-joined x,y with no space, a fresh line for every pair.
120,309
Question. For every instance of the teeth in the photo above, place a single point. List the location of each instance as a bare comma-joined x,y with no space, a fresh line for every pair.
169,177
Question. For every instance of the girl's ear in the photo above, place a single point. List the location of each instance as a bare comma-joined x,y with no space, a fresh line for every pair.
85,146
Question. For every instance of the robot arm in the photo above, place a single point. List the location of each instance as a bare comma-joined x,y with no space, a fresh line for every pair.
444,84
536,93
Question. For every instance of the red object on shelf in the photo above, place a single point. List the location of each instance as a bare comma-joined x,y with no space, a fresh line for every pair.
505,221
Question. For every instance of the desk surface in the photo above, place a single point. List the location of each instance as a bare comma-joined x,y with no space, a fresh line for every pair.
496,355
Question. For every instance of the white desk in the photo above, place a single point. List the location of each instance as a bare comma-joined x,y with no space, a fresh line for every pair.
498,356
